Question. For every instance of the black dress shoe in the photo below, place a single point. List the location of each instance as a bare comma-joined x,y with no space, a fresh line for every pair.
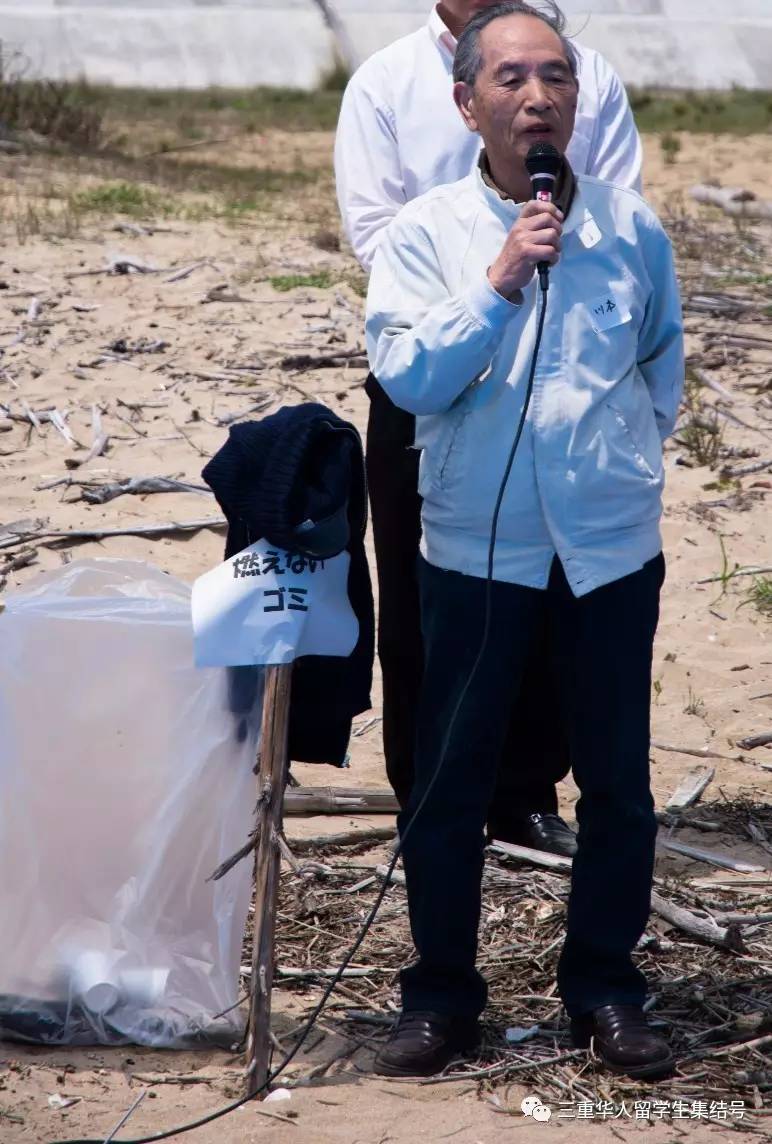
539,831
424,1043
624,1041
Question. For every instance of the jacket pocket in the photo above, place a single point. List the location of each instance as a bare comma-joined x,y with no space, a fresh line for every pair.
641,453
451,451
439,438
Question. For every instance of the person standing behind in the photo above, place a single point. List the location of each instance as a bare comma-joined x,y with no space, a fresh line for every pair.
400,134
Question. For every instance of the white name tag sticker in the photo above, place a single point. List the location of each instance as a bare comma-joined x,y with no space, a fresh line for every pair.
606,311
265,605
589,232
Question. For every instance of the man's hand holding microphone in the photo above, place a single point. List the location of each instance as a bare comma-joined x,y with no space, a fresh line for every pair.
534,238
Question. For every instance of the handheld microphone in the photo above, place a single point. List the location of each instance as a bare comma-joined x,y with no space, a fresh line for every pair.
543,163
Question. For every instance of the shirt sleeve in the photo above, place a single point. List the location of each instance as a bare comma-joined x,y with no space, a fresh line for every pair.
661,343
616,154
426,345
368,173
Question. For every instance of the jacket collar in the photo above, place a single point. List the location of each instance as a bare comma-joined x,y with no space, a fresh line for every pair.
565,182
579,216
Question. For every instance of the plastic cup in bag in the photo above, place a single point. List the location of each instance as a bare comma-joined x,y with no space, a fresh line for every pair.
93,982
144,987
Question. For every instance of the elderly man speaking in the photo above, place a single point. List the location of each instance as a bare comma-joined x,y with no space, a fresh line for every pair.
454,310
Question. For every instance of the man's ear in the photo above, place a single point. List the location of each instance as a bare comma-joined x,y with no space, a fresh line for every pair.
463,95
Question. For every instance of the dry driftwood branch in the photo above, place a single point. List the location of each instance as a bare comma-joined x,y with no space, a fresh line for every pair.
397,877
691,788
711,856
676,820
234,859
288,971
742,919
137,406
747,470
698,752
706,378
99,441
706,929
732,200
223,293
339,800
739,341
754,741
59,422
251,842
536,857
739,1047
75,535
302,362
186,271
119,264
719,304
258,407
174,1078
96,493
348,838
21,560
735,420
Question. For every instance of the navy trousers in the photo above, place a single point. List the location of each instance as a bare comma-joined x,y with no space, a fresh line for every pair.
602,645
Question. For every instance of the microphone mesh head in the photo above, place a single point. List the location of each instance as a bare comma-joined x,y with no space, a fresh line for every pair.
543,159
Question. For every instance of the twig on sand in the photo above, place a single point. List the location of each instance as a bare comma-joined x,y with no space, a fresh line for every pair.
348,838
706,929
302,362
698,752
754,741
51,537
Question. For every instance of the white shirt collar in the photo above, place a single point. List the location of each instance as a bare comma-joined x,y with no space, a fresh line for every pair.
441,34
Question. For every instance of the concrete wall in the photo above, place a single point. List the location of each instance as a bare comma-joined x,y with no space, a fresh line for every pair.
240,43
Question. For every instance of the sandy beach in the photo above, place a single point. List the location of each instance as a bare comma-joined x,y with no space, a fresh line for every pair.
205,327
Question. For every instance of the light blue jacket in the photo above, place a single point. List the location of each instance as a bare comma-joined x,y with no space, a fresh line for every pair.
588,476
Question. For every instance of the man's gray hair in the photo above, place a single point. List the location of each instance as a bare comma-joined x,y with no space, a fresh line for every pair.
468,58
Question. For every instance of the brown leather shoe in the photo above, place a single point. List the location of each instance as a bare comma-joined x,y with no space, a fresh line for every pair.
624,1041
424,1043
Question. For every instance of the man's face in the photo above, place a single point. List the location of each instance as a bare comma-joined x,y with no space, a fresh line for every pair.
524,92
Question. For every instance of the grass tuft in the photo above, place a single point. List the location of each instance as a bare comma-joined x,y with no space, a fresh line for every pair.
322,280
760,595
123,198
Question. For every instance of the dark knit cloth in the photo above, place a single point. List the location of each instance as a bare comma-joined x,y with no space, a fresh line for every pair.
302,463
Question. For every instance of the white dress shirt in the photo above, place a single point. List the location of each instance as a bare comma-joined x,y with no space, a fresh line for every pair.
400,133
587,478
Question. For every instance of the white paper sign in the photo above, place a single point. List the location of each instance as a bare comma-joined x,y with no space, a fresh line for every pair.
265,605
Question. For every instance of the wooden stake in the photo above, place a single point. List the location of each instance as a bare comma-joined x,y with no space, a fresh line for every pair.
272,777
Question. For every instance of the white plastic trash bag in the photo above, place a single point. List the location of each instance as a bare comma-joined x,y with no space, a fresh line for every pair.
125,780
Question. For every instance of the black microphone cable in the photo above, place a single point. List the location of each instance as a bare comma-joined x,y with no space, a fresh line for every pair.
365,927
